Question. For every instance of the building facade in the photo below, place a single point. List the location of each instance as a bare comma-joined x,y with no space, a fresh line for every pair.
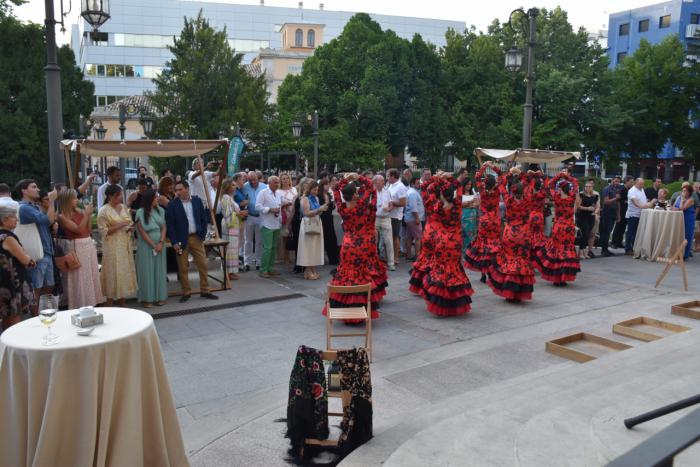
131,48
653,23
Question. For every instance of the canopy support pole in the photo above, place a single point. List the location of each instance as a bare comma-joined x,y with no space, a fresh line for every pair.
66,156
206,195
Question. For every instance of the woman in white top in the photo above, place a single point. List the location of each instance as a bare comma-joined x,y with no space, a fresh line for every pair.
310,249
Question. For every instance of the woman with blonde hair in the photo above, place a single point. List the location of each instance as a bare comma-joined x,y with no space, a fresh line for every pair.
289,195
295,223
82,285
118,271
310,249
231,227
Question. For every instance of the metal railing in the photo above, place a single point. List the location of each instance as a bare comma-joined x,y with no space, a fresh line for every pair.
660,449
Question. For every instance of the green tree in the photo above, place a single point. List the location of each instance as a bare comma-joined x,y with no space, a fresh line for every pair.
204,88
653,85
23,123
376,94
6,7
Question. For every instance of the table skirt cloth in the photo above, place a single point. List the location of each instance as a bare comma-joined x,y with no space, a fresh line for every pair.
101,400
660,234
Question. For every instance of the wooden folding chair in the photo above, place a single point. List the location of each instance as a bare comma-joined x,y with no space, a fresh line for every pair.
360,312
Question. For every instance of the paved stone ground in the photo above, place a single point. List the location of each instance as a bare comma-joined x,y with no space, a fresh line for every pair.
229,368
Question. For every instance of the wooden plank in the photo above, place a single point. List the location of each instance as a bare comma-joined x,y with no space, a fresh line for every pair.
569,354
559,346
627,328
688,310
320,442
349,288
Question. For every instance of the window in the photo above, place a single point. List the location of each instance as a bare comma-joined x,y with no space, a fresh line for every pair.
299,38
90,69
101,101
695,18
111,70
111,99
310,38
621,56
100,70
129,71
624,29
665,22
120,72
644,25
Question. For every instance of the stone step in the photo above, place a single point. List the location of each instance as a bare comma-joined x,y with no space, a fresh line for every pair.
563,415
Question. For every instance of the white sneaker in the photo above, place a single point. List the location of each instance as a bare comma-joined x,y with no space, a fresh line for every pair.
392,268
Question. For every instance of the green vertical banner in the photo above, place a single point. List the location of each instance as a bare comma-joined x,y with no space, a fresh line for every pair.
235,149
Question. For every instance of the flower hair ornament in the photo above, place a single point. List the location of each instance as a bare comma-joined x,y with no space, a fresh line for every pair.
561,183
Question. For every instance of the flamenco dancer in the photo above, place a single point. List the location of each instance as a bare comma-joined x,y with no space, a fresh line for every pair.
359,261
538,200
437,274
479,255
557,260
511,275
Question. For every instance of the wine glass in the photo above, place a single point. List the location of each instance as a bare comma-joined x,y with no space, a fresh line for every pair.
48,309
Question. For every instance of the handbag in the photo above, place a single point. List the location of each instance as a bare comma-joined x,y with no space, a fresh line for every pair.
312,225
28,235
66,261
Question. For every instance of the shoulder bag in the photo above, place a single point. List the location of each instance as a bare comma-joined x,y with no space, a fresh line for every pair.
66,261
28,235
312,225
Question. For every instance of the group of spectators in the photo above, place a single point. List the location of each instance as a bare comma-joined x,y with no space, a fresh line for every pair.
264,220
614,214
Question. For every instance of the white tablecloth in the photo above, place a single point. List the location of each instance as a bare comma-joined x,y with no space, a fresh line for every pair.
100,400
659,234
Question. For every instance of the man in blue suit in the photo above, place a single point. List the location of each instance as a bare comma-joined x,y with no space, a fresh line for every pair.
187,221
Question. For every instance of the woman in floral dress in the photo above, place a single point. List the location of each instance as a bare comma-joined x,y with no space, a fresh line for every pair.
118,274
511,275
557,260
479,255
359,260
437,274
231,227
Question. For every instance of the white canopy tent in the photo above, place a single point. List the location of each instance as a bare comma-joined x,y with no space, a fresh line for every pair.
533,156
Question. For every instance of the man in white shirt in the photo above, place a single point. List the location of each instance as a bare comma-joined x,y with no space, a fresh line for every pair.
414,215
399,195
269,203
6,197
197,184
637,200
382,223
114,176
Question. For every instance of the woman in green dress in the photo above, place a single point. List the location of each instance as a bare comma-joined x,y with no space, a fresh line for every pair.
150,251
470,213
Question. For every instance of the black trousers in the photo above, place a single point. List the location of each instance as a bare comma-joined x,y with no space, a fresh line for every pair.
330,241
607,222
619,231
585,222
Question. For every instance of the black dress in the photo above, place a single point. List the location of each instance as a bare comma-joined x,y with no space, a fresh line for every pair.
585,220
293,237
330,241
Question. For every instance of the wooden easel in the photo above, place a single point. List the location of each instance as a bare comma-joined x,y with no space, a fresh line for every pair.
675,259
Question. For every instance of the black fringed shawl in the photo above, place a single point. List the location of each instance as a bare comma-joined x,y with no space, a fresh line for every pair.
307,407
355,377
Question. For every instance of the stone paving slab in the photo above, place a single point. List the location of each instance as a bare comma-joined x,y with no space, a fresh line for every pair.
229,368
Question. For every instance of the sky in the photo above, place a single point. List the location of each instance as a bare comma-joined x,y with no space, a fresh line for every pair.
591,14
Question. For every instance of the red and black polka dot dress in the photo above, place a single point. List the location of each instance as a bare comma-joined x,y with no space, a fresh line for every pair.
511,275
557,259
479,255
359,260
437,274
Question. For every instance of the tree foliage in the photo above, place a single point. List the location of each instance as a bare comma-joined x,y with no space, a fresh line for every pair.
23,122
204,88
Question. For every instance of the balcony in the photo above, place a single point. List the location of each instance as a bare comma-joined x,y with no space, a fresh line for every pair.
692,31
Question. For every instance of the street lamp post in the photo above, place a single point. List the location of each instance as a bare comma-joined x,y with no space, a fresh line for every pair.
514,63
296,131
95,12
